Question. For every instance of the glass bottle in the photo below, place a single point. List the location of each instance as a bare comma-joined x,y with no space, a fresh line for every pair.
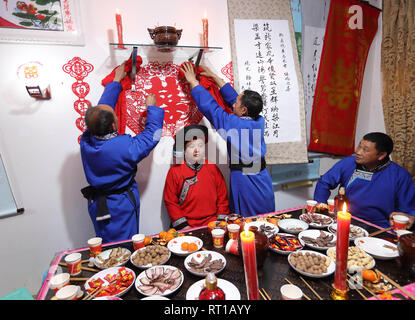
340,199
211,291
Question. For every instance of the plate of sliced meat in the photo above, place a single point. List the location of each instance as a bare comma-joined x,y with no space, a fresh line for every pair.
318,239
159,280
203,262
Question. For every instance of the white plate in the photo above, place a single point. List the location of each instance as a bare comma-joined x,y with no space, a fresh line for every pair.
147,265
375,247
286,224
330,269
258,224
317,225
199,256
164,268
105,255
287,252
353,269
315,234
175,244
155,298
103,273
230,290
333,229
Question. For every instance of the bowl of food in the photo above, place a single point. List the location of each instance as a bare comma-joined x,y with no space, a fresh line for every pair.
316,220
183,246
285,243
112,258
204,262
150,256
354,231
311,263
357,259
317,239
159,281
294,226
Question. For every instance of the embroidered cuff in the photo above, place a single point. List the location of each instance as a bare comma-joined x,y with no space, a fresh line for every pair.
221,217
180,223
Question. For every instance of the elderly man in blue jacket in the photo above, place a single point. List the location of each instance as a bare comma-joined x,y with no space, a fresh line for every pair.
110,163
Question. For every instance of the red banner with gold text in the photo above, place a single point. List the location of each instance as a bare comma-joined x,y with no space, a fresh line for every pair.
351,27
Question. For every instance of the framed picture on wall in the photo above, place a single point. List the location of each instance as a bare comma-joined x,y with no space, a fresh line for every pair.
41,22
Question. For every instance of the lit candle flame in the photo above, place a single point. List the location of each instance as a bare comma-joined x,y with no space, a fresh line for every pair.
344,207
205,15
117,11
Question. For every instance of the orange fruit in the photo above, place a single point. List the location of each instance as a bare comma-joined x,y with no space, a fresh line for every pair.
370,275
223,224
273,221
180,235
212,224
147,240
192,247
172,231
185,246
248,220
162,235
168,237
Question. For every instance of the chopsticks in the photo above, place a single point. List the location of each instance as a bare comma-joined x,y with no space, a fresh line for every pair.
82,268
364,287
264,295
307,297
396,285
379,232
311,288
358,291
93,294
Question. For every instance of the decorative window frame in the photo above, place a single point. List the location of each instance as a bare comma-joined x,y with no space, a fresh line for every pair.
71,35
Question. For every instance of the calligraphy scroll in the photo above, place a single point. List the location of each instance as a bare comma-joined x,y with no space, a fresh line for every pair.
266,65
292,148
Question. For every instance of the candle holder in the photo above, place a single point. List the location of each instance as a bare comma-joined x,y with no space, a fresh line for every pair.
337,294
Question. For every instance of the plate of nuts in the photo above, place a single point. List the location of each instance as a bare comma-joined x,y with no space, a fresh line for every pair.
311,263
149,256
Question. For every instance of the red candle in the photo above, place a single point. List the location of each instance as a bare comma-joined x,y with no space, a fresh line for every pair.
342,246
119,30
249,257
205,33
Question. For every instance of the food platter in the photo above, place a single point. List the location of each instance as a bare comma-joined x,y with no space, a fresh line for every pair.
294,226
377,248
162,256
230,290
316,220
159,281
317,239
330,266
285,244
175,245
209,261
268,228
118,279
115,257
357,259
355,231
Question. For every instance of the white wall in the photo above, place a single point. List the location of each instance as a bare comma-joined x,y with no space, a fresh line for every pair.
38,139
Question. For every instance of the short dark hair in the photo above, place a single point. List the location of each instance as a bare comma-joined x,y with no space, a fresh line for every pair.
253,102
99,121
383,143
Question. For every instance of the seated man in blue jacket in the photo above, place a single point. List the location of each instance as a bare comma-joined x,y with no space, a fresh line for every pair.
377,187
110,163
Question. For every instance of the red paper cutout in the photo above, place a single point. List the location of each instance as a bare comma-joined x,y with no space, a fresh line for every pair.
228,73
172,94
79,69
